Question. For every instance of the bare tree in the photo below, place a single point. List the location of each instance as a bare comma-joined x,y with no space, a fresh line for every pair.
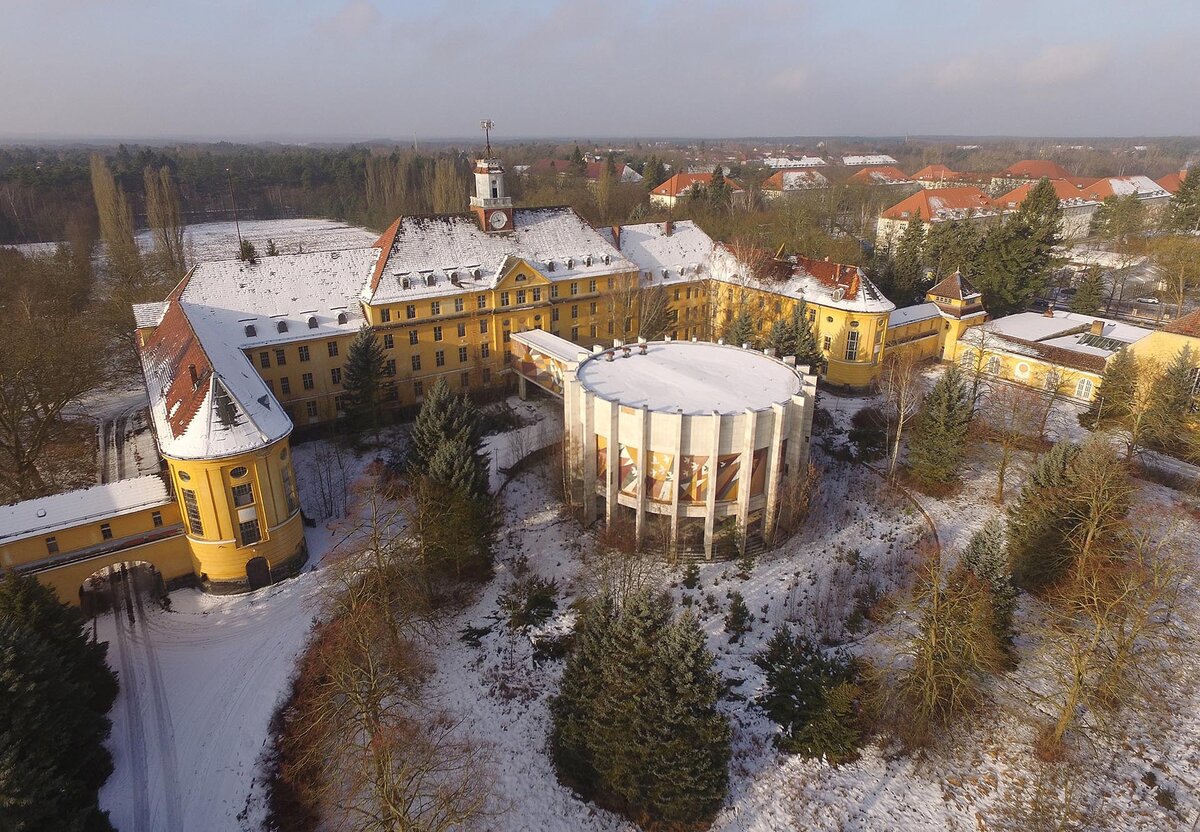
128,282
1009,420
902,395
449,187
1177,259
165,217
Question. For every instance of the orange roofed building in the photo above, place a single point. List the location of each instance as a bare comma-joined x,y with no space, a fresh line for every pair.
935,205
880,175
1078,206
682,185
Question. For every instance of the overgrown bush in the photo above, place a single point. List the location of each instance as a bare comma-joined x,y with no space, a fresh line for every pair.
868,433
528,603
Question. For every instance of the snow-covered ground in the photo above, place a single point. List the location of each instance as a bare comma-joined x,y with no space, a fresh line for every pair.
218,240
207,675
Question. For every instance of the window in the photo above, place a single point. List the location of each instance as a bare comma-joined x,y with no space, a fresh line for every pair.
487,376
575,310
437,333
677,294
419,388
389,368
1053,381
238,472
333,349
574,333
592,331
335,375
1083,389
435,308
481,301
271,385
388,341
311,409
462,330
385,315
416,362
248,531
52,545
462,355
156,518
993,366
485,350
410,311
852,345
280,357
413,337
483,327
610,327
554,290
439,358
537,295
507,336
304,353
520,277
307,381
264,360
504,298
554,314
243,494
285,386
574,288
520,297
592,286
458,304
828,344
289,489
192,510
464,380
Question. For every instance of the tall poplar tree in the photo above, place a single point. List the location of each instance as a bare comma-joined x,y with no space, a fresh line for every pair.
165,217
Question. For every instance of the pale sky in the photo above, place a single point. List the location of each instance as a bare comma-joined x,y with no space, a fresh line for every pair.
365,69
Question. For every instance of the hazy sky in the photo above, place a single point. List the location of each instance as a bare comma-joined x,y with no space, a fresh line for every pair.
358,69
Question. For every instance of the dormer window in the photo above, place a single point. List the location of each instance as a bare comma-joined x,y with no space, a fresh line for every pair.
281,326
476,273
520,277
251,330
550,266
312,321
570,262
342,318
587,261
404,283
607,259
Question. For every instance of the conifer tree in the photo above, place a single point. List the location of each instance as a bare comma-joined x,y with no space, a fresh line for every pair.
247,252
1114,399
362,379
1089,295
1183,213
571,738
986,558
909,256
272,249
1038,524
737,620
741,330
935,451
793,335
1170,415
443,415
951,245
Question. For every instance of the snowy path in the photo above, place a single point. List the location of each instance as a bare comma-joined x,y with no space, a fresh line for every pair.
198,686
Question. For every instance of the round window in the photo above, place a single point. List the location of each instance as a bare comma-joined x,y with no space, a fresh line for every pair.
854,323
829,320
185,476
283,454
238,473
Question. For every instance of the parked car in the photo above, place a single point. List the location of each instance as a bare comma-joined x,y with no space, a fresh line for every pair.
1146,300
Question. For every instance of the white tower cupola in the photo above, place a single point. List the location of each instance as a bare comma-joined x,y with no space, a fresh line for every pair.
490,203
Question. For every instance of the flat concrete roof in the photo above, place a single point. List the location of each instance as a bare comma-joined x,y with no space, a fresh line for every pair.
695,377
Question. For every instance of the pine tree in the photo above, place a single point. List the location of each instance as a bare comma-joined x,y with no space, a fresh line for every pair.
952,245
1010,271
793,335
272,249
459,466
784,337
1183,213
247,252
986,558
443,415
741,330
582,685
909,256
1038,523
1114,398
935,451
362,379
578,163
1041,217
1170,417
737,620
1089,295
718,188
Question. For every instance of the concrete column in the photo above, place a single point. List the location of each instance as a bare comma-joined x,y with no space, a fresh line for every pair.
522,391
774,471
614,464
797,451
587,453
675,469
642,467
710,494
745,471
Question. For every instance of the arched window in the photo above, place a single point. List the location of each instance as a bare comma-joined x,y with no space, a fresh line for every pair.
251,331
312,321
281,326
1083,389
341,318
993,365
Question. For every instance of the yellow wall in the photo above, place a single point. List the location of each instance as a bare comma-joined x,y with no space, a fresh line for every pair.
1030,371
219,553
170,557
1163,347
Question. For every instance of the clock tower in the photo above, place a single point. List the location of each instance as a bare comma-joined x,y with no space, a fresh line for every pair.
489,203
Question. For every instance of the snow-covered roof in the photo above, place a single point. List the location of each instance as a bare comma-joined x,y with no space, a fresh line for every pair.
47,515
795,180
694,377
1142,187
873,159
785,162
549,344
665,252
1068,338
148,314
912,314
440,255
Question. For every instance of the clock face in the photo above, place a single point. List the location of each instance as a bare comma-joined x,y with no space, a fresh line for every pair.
498,220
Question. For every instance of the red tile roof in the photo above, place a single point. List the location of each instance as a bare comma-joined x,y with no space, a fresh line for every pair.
681,183
1187,325
1172,181
1063,188
174,349
1037,169
833,275
936,173
384,243
938,203
880,175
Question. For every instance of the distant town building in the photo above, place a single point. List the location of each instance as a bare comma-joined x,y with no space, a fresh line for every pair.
1077,206
930,206
780,162
880,175
875,159
592,171
1171,182
683,185
784,182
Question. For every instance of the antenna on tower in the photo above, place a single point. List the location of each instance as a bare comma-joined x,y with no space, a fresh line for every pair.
487,125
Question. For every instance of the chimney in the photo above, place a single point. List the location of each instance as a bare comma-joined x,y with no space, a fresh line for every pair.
616,237
668,228
1049,313
1097,328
